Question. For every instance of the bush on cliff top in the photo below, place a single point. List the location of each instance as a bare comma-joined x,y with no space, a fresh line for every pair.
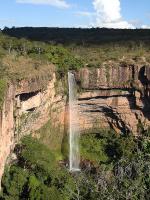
3,87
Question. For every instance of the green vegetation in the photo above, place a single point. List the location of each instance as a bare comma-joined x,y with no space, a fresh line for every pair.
3,87
105,147
22,59
113,167
78,36
32,176
92,148
93,46
51,136
37,54
74,48
63,60
96,55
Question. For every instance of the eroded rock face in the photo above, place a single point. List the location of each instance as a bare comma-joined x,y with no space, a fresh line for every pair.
35,109
107,77
116,97
26,111
6,128
109,111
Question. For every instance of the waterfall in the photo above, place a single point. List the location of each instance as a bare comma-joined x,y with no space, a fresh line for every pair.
74,135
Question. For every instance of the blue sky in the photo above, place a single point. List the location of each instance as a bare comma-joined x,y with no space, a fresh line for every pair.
75,13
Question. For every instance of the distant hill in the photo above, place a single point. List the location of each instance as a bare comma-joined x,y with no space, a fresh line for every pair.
77,35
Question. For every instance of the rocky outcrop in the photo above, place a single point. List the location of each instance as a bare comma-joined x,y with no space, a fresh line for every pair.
108,76
110,111
34,109
114,96
6,128
26,110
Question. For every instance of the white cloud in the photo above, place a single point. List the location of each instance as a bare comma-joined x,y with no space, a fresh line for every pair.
56,3
145,26
108,14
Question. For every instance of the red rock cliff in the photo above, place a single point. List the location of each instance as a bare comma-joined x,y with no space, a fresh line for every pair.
114,96
6,128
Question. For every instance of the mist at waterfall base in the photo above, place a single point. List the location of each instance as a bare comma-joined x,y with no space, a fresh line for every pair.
74,134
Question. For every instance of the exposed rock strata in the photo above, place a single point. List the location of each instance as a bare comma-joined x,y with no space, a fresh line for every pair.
38,107
6,128
116,97
26,110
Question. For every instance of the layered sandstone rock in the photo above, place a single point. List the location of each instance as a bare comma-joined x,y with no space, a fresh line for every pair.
25,111
106,77
118,112
116,97
36,108
6,128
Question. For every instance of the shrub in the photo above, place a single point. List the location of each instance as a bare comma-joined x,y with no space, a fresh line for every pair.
3,87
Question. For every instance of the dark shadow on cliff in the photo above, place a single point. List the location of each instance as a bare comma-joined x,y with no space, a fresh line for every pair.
109,113
142,77
145,93
104,97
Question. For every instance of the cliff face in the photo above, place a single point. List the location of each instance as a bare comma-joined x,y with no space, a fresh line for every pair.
35,108
27,107
115,95
6,128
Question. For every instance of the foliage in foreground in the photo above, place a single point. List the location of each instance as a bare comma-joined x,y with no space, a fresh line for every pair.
3,87
34,176
123,165
113,167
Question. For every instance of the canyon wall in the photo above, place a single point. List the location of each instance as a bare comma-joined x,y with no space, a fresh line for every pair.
115,95
7,127
35,108
27,108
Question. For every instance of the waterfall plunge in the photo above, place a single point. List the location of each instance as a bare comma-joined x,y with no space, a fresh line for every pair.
74,135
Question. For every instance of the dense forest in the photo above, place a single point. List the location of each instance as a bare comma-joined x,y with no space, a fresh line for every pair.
115,167
78,36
